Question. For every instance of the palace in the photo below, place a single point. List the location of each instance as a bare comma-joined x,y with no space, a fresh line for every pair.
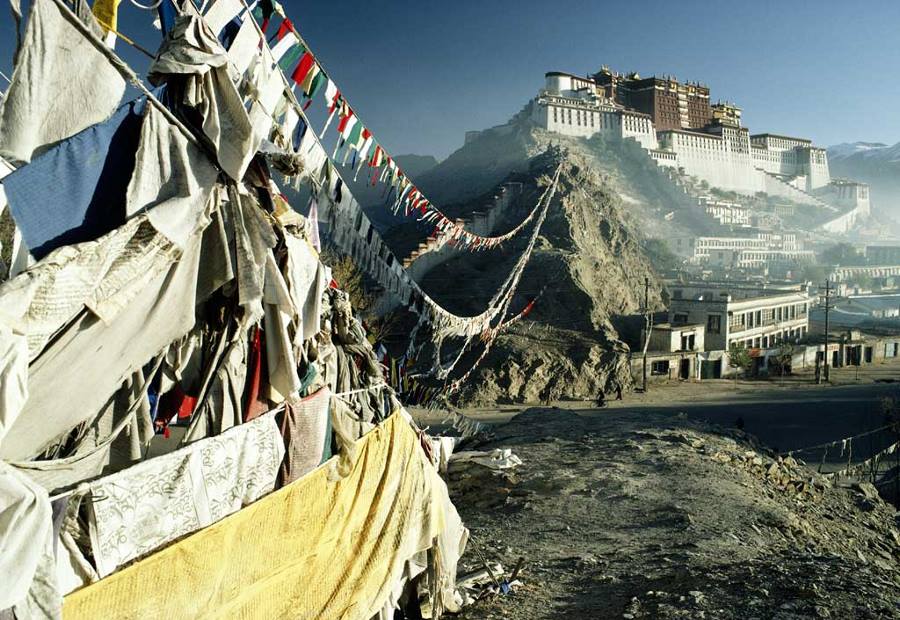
679,128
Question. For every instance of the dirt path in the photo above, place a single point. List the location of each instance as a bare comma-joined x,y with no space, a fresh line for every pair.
620,516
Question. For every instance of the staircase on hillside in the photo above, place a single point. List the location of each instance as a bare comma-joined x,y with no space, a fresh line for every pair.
795,193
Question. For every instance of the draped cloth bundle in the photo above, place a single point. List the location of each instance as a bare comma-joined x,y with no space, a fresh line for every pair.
295,553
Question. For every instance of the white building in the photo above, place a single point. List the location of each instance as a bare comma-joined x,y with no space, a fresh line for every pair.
573,106
752,316
724,154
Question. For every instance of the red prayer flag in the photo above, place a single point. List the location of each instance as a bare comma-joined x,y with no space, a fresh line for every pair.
285,27
334,101
303,68
344,120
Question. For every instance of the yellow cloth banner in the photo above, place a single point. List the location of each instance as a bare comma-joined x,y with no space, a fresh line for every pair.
106,12
317,548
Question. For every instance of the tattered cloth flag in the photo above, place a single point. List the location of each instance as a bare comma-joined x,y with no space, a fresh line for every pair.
264,12
306,64
332,98
106,12
285,44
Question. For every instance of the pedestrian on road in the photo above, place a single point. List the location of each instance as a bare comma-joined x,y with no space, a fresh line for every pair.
619,392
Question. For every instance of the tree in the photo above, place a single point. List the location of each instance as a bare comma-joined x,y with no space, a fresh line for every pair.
783,358
661,257
739,358
842,254
812,272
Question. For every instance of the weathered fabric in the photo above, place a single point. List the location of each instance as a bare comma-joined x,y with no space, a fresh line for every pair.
305,428
103,275
13,377
191,50
75,191
140,509
244,47
309,550
265,85
116,437
221,406
254,237
62,84
306,277
172,180
160,312
279,312
221,12
27,562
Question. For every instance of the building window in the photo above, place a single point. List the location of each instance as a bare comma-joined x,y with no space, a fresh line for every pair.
659,368
680,319
714,324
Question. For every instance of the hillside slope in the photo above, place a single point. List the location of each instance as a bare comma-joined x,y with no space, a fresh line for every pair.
653,204
591,269
650,516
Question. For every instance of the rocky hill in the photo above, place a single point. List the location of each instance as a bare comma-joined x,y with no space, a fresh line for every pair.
625,516
653,204
591,269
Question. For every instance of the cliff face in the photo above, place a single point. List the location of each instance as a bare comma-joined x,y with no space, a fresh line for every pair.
590,269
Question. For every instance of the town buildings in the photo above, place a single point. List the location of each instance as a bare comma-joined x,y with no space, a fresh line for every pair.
883,254
753,316
672,353
761,252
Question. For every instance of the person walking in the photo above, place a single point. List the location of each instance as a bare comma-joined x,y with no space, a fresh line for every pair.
619,391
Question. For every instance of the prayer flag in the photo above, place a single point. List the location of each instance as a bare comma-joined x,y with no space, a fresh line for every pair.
306,83
317,83
291,56
306,63
284,44
285,27
106,12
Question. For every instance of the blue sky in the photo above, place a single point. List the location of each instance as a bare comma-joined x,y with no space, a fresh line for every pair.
420,74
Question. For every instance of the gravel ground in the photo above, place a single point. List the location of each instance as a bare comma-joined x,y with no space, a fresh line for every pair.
650,516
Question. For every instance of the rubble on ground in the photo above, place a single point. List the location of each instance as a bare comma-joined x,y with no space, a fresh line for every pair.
620,516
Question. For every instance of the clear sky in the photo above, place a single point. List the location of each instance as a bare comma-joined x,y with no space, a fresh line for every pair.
422,73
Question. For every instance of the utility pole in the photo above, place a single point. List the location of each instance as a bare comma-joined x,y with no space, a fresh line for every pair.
827,308
648,325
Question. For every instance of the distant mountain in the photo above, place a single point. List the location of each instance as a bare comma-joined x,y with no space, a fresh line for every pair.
874,163
870,151
415,165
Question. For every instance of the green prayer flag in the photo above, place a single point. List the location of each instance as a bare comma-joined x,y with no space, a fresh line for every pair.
291,57
317,84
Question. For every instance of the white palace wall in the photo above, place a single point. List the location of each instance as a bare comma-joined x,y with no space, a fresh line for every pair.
729,159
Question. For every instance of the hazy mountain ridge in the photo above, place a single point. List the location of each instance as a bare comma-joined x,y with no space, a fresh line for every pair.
874,163
414,165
